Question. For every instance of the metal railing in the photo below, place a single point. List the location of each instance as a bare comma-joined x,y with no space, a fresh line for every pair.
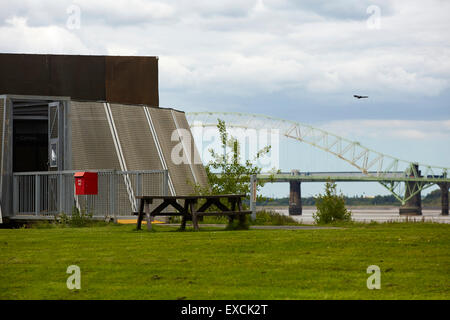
48,193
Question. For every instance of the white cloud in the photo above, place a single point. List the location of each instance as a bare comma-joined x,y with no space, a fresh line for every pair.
125,11
17,36
254,47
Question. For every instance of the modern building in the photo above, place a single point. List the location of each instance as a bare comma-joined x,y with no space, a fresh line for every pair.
63,113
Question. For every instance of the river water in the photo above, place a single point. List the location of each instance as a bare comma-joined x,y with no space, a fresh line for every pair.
375,214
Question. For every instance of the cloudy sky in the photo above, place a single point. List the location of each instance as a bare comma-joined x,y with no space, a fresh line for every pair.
298,60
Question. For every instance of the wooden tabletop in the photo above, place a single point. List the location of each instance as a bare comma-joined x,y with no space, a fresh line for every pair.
218,196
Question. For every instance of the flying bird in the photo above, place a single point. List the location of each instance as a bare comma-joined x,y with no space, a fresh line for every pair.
360,97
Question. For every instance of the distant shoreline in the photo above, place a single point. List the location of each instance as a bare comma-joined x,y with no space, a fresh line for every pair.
349,207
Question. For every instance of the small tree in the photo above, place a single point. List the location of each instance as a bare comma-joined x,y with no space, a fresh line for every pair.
226,174
331,206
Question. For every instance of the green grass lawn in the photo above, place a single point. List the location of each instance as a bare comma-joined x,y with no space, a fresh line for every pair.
118,262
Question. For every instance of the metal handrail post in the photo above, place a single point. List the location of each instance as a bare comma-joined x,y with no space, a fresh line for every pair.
37,194
16,195
112,194
166,183
60,192
138,186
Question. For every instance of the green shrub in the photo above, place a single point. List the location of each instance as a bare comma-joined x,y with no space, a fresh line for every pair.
77,219
273,218
41,225
331,206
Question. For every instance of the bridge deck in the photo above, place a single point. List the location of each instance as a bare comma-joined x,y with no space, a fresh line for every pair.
349,176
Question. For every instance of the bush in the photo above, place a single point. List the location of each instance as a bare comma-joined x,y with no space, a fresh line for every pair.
77,219
273,218
42,225
331,206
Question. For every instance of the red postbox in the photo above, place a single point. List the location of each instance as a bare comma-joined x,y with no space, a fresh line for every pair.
86,183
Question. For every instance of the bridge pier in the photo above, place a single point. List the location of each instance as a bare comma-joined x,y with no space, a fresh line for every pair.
414,205
295,198
444,197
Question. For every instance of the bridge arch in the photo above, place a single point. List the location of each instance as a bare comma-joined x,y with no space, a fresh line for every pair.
367,161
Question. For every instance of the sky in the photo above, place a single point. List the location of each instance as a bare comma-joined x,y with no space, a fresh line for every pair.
296,60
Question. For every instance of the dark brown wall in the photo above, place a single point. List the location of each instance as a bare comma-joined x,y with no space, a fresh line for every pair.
79,77
132,80
24,74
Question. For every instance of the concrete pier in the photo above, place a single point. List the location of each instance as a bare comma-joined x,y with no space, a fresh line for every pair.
295,198
444,197
414,205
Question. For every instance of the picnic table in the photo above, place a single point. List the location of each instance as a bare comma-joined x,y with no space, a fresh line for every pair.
186,206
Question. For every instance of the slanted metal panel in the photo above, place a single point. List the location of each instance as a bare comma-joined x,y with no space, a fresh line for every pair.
168,188
135,137
180,174
92,143
138,146
197,166
126,188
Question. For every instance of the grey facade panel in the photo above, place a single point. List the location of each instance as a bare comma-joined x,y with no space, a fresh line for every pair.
198,168
92,143
93,136
135,138
180,174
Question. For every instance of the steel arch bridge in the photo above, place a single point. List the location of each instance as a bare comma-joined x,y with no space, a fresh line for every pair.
404,179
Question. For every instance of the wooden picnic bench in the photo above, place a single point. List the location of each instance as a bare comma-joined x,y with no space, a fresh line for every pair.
185,206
